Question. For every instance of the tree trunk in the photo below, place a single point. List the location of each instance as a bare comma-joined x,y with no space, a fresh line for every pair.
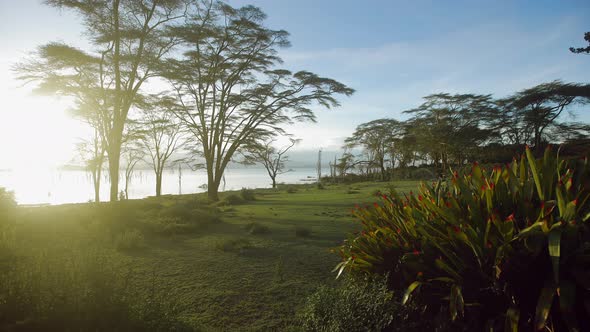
158,184
212,186
274,183
96,176
212,191
114,159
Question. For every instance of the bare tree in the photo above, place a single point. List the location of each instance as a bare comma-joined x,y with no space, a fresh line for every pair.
273,159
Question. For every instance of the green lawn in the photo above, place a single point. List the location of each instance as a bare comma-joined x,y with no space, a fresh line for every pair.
258,284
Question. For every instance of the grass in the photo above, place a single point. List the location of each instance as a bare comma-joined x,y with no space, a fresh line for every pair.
255,282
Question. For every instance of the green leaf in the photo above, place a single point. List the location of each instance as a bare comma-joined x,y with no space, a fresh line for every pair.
533,165
456,302
567,301
544,305
512,317
413,286
554,239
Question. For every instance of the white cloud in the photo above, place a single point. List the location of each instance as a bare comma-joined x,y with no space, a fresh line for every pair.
498,58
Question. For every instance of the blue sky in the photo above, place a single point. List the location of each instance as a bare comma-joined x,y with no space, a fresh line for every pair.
391,52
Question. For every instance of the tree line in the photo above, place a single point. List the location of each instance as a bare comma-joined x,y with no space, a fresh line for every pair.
163,75
455,129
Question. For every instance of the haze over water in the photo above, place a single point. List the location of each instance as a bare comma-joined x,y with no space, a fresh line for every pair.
54,186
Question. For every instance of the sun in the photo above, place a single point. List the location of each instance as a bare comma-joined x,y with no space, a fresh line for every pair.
36,132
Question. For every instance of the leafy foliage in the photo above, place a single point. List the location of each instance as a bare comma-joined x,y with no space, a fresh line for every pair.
507,248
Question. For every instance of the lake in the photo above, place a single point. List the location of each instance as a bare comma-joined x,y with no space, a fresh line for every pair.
75,186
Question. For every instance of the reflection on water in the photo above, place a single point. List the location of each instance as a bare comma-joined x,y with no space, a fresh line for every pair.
72,186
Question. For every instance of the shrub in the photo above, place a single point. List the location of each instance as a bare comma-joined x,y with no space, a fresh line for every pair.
352,191
130,240
233,199
256,228
247,194
320,186
190,213
301,231
291,189
355,305
509,247
233,245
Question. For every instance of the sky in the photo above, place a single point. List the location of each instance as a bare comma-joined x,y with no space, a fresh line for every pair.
391,52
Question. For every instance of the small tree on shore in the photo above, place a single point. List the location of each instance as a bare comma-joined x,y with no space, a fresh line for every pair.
160,137
271,158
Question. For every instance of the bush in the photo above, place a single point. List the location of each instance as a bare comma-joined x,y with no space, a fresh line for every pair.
301,231
233,245
509,247
247,194
356,305
233,199
320,186
352,191
130,240
291,189
256,228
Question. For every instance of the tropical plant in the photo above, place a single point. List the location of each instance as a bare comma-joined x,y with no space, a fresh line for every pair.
505,249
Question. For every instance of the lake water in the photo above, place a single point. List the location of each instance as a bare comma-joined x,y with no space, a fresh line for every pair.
72,186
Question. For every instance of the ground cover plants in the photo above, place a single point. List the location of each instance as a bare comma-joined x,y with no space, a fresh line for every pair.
173,263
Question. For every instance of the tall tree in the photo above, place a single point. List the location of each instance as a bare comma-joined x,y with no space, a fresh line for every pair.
377,139
231,92
544,104
273,159
130,38
447,127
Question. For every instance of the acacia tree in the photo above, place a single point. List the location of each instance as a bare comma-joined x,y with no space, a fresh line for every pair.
271,158
544,104
230,91
447,127
582,50
160,136
130,38
377,139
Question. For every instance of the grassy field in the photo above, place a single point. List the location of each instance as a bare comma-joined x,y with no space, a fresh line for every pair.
245,266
